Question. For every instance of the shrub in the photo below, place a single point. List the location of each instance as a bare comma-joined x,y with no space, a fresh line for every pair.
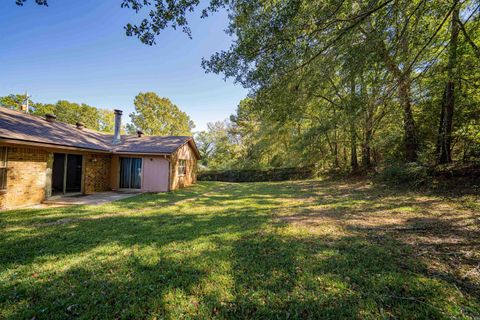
258,175
410,174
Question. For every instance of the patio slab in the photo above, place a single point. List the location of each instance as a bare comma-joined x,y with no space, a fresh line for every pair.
91,199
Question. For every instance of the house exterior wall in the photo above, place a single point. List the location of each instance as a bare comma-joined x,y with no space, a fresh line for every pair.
29,173
155,174
97,171
26,177
176,180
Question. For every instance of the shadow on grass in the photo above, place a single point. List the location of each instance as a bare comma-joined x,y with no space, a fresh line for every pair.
347,277
269,277
211,252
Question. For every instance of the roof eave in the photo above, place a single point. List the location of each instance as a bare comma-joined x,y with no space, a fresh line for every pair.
49,145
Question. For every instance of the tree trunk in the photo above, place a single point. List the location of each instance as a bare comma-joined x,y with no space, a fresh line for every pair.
353,148
366,153
335,143
410,131
404,86
440,125
368,130
353,134
444,146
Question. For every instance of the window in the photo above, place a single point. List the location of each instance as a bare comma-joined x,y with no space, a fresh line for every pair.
3,168
182,167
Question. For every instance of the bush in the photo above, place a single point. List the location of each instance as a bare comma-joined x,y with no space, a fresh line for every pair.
258,175
410,174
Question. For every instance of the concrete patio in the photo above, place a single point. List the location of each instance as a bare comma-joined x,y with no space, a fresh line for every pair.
91,199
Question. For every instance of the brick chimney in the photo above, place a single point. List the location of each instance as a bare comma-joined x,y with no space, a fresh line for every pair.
118,125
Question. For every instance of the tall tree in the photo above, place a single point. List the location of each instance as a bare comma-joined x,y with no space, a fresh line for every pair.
448,104
330,79
158,116
217,146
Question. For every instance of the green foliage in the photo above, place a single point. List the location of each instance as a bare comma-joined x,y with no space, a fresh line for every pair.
217,145
361,86
13,101
339,84
410,174
72,112
106,120
68,112
158,116
251,175
153,115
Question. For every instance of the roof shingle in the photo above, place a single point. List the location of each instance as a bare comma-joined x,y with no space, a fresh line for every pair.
18,125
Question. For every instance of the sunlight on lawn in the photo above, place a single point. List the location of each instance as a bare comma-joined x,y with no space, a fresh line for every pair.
218,250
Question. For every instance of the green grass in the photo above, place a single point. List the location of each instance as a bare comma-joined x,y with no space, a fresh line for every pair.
307,249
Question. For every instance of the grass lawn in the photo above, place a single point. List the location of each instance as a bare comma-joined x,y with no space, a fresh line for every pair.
304,249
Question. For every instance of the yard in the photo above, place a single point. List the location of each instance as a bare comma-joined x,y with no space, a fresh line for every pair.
304,249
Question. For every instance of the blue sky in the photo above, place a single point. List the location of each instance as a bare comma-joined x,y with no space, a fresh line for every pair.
78,51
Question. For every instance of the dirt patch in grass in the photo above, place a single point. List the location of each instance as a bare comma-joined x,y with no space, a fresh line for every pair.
442,231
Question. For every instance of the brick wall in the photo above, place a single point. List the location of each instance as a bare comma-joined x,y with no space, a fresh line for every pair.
3,197
26,177
97,173
176,181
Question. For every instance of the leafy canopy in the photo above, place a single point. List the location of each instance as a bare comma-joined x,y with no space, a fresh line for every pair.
155,115
66,111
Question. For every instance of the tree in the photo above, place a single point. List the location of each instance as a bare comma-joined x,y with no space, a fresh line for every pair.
335,81
106,120
161,14
13,101
158,116
217,145
204,143
448,103
68,112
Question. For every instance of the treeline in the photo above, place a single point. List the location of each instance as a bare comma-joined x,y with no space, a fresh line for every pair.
340,83
68,112
350,85
153,115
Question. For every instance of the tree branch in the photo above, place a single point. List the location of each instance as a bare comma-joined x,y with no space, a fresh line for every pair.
469,40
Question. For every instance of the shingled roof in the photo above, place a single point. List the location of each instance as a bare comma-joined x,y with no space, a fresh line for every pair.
19,126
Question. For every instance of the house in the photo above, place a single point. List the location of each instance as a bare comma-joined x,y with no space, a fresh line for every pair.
42,157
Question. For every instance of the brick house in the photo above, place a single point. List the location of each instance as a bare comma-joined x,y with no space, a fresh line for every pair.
41,158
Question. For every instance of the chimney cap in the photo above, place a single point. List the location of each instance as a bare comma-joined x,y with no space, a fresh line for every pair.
50,117
139,133
80,125
117,111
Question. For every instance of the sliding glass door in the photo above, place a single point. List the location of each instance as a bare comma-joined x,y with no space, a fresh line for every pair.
66,173
130,173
